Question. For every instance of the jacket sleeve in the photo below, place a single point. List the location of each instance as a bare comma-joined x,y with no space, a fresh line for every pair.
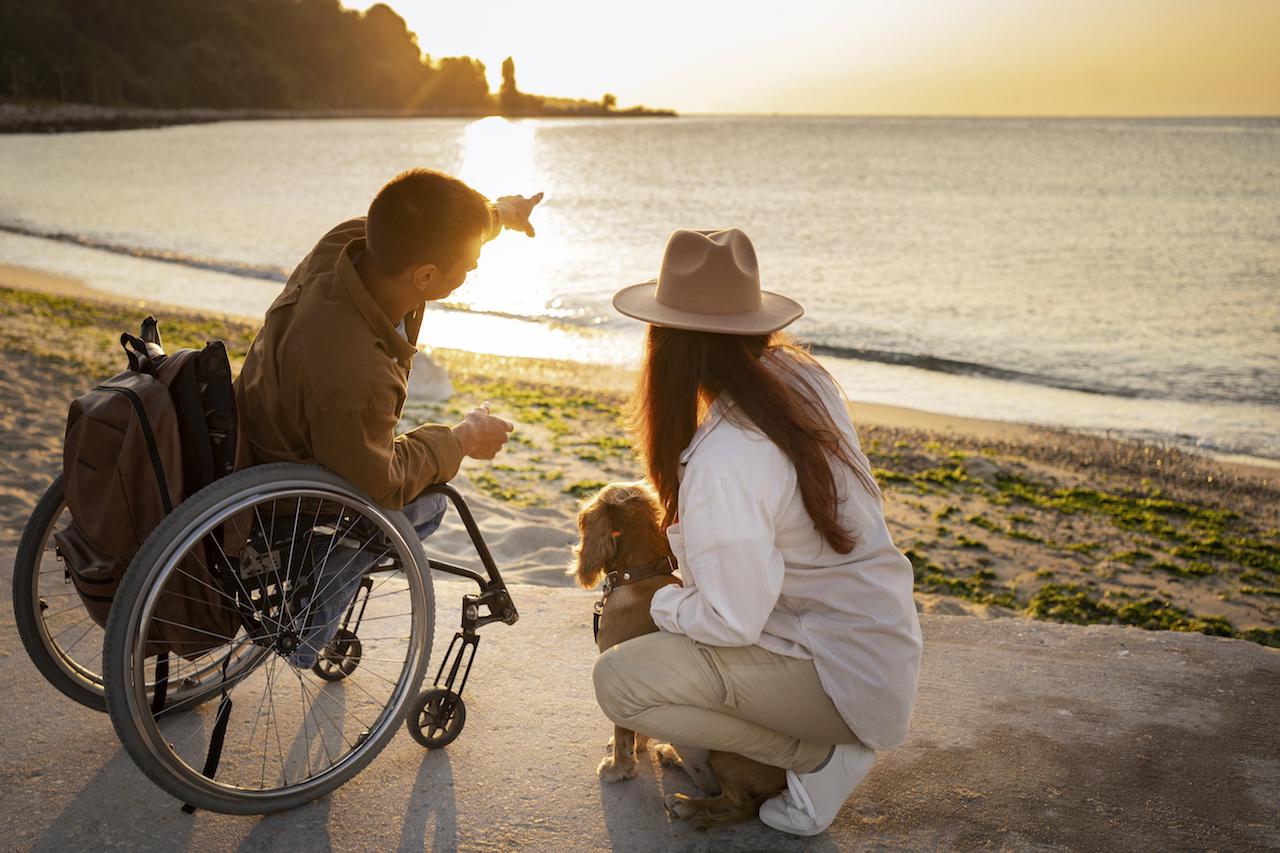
736,568
360,444
495,224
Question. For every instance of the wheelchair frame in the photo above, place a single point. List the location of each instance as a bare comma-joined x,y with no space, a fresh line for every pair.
434,718
493,596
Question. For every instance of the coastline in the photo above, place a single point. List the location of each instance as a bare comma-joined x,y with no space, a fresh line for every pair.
76,118
998,519
622,380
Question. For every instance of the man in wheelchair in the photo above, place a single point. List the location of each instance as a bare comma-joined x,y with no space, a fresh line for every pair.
325,380
204,572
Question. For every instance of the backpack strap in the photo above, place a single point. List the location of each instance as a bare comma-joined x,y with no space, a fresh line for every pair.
136,350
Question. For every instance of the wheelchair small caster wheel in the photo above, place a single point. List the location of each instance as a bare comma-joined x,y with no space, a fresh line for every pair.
436,718
339,657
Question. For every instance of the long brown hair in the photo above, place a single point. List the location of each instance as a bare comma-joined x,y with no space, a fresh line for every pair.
686,371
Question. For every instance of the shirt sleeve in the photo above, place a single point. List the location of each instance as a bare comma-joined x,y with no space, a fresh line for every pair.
360,444
733,569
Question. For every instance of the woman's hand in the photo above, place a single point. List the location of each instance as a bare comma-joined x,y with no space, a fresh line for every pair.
481,435
514,211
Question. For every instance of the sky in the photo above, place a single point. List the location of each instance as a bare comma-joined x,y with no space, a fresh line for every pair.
876,57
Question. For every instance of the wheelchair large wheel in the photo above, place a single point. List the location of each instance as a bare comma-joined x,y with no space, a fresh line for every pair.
284,543
61,639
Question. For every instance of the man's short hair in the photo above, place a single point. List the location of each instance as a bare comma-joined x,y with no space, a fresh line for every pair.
423,217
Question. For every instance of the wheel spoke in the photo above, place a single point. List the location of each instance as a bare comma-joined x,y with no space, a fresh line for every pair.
302,553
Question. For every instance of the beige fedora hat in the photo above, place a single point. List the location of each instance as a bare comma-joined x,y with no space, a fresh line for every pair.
709,282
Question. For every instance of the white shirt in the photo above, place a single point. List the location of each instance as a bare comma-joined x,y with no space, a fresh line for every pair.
757,572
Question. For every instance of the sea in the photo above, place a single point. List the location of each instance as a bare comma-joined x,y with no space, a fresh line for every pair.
1116,276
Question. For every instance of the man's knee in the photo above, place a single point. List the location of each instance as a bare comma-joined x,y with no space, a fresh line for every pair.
426,512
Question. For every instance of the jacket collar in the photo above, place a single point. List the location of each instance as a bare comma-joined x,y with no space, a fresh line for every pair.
382,327
713,417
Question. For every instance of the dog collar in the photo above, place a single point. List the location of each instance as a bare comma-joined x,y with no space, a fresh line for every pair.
622,577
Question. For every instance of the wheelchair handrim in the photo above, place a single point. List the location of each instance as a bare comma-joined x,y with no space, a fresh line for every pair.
142,612
70,667
79,673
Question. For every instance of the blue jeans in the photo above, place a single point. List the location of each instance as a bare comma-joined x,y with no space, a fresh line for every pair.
338,579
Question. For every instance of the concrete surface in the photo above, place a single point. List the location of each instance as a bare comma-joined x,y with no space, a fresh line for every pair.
1026,736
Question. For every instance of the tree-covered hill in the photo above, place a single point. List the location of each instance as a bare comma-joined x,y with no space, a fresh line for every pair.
235,54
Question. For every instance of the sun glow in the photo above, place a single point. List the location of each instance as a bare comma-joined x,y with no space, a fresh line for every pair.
499,157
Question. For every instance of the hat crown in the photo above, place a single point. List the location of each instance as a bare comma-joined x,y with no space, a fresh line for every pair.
709,272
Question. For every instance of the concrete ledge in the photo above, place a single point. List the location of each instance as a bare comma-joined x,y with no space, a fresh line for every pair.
1027,736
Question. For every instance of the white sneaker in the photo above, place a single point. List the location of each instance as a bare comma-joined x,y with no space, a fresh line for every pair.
812,800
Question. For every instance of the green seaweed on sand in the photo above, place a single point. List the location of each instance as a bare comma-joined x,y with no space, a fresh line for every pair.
884,476
584,488
1069,602
978,587
491,486
1199,533
1081,547
1262,636
85,333
983,522
1190,570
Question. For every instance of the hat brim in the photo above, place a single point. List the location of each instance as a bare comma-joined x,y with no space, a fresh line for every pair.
776,311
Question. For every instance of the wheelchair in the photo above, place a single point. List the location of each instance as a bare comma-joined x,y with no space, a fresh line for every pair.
333,614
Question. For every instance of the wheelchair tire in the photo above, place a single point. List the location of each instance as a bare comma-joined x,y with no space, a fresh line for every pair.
41,595
340,656
436,718
276,580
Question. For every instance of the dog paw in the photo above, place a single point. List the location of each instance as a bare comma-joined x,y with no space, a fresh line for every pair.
678,805
667,755
615,771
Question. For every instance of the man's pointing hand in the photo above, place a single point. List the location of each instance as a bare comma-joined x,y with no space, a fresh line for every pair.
514,211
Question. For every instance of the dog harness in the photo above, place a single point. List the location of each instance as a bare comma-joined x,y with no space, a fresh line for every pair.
622,577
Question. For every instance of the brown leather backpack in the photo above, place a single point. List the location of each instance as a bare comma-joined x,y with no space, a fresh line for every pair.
136,446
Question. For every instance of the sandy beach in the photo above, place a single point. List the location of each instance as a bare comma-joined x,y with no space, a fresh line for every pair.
1000,520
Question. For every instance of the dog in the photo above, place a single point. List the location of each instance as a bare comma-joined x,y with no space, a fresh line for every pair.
622,541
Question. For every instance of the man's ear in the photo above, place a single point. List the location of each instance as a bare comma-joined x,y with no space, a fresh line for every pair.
426,277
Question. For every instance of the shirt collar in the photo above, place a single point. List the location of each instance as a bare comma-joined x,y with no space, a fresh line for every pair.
713,417
382,327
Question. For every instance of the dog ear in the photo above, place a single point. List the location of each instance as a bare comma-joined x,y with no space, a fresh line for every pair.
597,543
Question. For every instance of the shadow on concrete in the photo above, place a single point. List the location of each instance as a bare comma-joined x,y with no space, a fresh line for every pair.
431,807
306,828
86,824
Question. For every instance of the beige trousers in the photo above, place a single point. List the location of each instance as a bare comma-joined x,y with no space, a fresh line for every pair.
748,700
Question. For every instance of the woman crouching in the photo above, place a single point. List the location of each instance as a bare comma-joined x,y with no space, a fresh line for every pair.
793,640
